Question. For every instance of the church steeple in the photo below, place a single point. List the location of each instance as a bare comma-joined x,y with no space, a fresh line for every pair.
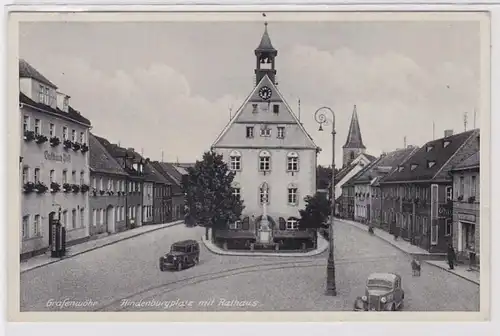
354,142
265,56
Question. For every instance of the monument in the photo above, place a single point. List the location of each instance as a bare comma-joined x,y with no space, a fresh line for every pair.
265,231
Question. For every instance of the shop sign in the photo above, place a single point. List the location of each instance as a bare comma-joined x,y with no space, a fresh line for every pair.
64,157
445,211
467,217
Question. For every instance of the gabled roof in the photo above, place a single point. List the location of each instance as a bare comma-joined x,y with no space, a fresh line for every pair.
267,81
354,139
265,42
170,169
27,71
176,184
365,169
72,114
428,161
387,161
472,162
100,160
151,174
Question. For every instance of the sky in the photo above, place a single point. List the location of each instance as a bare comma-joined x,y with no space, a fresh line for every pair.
171,86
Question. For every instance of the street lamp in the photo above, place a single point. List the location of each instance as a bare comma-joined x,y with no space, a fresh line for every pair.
321,119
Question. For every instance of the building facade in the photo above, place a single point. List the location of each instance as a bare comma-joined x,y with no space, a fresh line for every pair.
148,194
175,177
353,146
161,195
419,192
273,156
466,208
107,198
54,164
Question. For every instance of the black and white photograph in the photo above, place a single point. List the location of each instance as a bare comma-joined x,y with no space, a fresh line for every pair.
251,162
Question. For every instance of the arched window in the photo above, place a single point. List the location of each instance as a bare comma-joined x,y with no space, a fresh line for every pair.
293,198
264,193
235,160
264,161
292,223
292,160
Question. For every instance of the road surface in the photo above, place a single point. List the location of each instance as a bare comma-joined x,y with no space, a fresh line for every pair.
125,277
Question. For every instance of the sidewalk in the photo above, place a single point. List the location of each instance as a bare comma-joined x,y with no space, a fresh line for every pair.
74,250
412,250
322,247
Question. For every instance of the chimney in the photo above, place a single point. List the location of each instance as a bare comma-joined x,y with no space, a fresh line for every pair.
448,133
131,149
62,101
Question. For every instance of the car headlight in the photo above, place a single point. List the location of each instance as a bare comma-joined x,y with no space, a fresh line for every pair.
174,258
383,300
364,298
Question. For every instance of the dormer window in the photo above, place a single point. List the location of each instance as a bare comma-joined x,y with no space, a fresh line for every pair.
265,131
43,94
65,103
430,164
254,108
413,166
430,147
401,168
446,143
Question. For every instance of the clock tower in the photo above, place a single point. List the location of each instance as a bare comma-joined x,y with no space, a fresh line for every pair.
266,56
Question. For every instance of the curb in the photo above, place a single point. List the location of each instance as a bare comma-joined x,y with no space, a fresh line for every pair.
219,251
100,246
454,273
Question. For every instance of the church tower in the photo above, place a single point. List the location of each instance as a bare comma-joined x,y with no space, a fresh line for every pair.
265,55
354,143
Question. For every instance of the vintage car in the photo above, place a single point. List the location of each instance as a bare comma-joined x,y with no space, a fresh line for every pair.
182,254
383,292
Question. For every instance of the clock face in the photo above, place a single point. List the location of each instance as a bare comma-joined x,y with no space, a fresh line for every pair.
265,93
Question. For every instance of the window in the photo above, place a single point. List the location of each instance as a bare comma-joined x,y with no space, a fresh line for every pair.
254,108
37,175
52,174
292,194
461,189
429,148
264,193
236,191
52,131
101,220
73,135
101,183
249,131
82,217
73,176
43,94
424,225
446,143
235,160
281,132
264,161
65,103
292,224
26,123
473,187
235,226
413,166
65,217
292,162
430,164
276,108
26,226
38,126
265,131
36,226
82,177
434,234
65,133
400,168
448,228
65,176
117,214
94,217
110,184
449,193
73,218
82,137
26,175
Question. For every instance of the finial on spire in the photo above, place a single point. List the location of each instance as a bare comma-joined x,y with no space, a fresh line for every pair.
265,22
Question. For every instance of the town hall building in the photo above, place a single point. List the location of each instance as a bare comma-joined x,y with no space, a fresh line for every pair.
274,159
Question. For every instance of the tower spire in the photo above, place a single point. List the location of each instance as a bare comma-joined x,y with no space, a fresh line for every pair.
354,139
266,55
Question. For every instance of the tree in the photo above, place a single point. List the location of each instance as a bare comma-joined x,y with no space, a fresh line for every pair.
316,211
209,195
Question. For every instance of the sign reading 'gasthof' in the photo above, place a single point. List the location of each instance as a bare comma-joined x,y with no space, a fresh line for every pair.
64,157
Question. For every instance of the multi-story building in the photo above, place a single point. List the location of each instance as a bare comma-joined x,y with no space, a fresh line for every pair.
367,200
273,156
107,198
54,164
420,190
175,176
161,209
466,209
133,164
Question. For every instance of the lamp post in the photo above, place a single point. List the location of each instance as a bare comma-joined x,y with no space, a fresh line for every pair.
321,118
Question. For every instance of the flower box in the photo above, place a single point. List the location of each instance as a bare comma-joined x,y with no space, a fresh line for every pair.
40,188
76,188
76,146
472,199
102,192
110,192
460,198
84,188
40,139
67,144
29,136
55,141
67,187
84,148
28,187
94,191
54,187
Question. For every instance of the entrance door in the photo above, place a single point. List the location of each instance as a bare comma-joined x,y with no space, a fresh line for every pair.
110,219
51,219
368,213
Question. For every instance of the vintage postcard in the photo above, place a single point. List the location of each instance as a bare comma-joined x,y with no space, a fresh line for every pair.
249,166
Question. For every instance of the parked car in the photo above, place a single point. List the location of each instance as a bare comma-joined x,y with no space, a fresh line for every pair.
182,254
383,292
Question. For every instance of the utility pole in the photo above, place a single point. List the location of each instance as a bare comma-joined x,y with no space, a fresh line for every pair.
404,142
465,122
161,156
299,109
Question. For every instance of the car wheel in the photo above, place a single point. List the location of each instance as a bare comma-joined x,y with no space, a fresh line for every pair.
179,266
196,260
162,269
393,308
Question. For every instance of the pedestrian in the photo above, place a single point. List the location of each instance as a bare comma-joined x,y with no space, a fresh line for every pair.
451,256
370,229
